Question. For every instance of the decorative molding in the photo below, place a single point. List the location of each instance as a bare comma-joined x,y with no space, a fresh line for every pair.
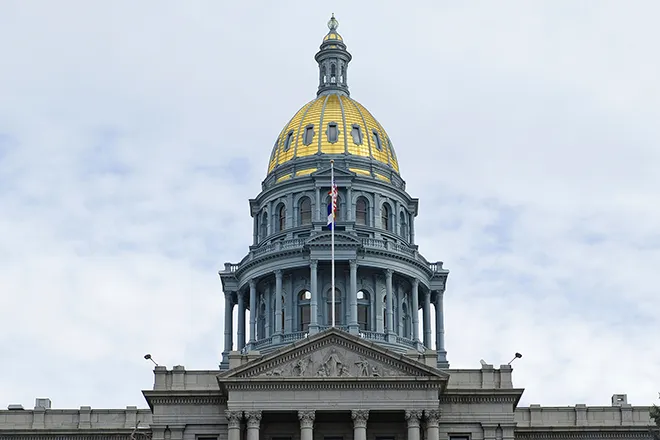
188,400
597,433
68,435
360,417
413,417
507,398
253,419
331,384
306,419
234,419
432,417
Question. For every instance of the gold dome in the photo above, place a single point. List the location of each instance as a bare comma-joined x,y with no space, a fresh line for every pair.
334,124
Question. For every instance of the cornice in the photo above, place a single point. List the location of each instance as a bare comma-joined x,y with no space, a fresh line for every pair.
59,434
291,384
184,397
583,432
490,398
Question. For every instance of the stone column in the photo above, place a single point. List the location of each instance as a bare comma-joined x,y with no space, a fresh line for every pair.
412,420
253,310
234,424
313,303
432,417
439,321
360,417
415,308
240,336
253,422
306,424
427,319
229,304
412,229
278,301
353,324
390,308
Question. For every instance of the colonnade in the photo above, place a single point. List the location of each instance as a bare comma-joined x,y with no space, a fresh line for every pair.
360,418
427,298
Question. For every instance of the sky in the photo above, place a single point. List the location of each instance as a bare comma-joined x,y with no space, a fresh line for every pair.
132,135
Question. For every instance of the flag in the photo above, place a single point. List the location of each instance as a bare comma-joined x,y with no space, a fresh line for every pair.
332,206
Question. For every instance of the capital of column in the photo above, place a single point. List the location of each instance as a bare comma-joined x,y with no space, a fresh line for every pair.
360,417
432,417
253,284
278,274
413,417
306,418
314,264
389,273
253,419
352,264
234,418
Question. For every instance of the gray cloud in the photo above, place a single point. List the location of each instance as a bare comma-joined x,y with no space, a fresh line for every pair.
528,131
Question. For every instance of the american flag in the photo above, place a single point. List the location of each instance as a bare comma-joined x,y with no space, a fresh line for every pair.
332,207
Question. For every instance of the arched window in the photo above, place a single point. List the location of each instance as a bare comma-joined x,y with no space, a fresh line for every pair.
264,225
363,310
281,217
333,73
385,313
385,216
404,225
361,208
305,206
324,77
342,77
338,314
304,316
261,321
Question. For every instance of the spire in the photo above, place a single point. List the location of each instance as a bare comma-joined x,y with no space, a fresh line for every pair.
333,59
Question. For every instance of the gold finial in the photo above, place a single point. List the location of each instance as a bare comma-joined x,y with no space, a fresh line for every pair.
333,24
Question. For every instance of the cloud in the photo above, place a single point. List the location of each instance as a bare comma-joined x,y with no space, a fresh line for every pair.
132,136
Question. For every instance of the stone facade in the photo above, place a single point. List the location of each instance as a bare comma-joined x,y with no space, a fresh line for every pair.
287,374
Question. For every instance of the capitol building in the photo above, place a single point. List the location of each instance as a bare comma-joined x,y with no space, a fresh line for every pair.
306,364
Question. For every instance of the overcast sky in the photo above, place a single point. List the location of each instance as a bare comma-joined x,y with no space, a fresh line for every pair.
133,133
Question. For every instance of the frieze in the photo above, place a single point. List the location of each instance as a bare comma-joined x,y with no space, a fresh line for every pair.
599,433
478,399
71,436
188,400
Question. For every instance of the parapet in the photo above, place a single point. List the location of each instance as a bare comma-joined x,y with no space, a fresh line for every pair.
179,379
485,378
43,418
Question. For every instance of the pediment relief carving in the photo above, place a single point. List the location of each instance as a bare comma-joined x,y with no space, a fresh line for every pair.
339,360
325,239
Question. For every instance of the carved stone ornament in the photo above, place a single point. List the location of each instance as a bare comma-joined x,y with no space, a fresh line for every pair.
360,417
253,419
306,419
413,417
234,418
333,361
432,417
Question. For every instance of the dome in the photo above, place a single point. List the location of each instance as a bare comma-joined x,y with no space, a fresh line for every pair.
333,124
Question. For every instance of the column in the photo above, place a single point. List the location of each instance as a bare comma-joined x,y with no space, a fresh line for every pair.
415,307
306,424
240,336
229,304
432,417
412,229
440,329
427,319
278,301
350,213
317,211
253,422
412,420
390,309
360,417
234,424
253,310
255,227
353,324
313,303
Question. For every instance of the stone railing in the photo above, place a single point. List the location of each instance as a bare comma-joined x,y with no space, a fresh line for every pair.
367,243
73,419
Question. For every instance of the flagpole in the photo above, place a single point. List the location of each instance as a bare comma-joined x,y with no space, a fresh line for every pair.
332,239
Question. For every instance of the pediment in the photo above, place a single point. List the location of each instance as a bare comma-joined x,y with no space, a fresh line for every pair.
333,354
339,172
340,239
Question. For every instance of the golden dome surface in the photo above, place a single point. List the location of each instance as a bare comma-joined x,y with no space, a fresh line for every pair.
333,124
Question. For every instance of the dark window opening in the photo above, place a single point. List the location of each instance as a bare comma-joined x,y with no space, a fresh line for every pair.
376,139
281,218
385,217
288,141
356,134
305,211
361,211
308,137
333,133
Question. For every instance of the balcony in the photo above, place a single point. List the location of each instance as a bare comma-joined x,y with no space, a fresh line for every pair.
369,244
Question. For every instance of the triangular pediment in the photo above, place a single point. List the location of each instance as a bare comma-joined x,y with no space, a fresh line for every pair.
340,239
333,354
339,172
